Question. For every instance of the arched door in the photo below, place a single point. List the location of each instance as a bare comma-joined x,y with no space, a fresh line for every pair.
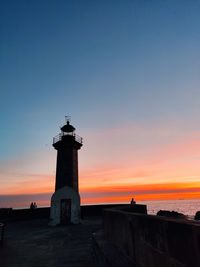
65,211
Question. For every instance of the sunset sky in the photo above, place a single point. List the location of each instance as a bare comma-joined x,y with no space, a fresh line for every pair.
128,74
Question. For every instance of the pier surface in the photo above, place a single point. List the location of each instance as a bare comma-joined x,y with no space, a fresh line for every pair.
34,243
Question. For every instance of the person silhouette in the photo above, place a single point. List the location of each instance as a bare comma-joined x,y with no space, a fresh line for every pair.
32,206
132,201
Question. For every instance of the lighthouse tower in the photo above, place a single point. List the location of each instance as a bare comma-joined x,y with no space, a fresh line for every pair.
65,202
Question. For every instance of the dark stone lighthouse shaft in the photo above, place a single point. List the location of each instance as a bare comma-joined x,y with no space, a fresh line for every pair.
67,144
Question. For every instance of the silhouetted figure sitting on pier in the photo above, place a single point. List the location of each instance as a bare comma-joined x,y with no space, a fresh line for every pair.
32,206
133,202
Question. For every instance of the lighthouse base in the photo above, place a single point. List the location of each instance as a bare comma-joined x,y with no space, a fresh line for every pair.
65,207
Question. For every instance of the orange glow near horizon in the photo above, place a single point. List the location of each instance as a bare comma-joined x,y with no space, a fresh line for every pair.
157,172
123,194
111,194
119,194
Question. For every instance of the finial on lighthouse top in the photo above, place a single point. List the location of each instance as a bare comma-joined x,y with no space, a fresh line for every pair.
68,128
67,119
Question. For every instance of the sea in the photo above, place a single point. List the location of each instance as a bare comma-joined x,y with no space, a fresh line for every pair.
187,207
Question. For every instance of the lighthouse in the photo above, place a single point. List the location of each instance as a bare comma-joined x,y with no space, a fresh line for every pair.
65,202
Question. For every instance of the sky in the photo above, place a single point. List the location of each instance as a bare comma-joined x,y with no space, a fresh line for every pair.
127,72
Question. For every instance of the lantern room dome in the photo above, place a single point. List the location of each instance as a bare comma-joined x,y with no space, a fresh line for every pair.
68,128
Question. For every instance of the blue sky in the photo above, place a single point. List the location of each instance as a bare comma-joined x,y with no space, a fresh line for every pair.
108,64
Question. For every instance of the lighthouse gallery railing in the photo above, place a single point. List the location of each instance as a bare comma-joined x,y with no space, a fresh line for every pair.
58,137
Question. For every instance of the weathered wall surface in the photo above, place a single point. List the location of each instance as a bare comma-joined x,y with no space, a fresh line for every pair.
65,193
154,241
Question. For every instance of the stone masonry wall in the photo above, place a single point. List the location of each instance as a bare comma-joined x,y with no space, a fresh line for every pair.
153,241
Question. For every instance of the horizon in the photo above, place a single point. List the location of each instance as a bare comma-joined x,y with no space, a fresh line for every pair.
128,75
23,201
47,204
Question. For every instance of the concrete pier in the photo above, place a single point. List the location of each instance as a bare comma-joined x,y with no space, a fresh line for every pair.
32,243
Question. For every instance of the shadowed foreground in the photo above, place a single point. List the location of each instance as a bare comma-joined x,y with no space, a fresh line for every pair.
33,243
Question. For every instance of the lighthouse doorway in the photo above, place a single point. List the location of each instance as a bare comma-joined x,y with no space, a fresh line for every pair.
65,211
